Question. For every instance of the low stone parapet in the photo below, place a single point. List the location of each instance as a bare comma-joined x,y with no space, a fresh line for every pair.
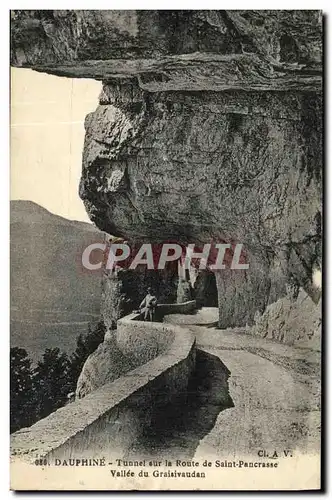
108,421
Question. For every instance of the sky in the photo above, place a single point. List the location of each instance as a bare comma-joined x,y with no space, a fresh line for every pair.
47,135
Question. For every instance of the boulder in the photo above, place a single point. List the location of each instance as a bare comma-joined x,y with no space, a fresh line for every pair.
293,320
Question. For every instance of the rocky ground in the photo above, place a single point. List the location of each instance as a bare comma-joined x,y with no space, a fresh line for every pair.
276,395
273,404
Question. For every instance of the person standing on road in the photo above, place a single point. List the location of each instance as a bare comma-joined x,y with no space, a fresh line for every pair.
148,306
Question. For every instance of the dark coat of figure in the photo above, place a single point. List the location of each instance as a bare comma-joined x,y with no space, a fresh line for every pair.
148,306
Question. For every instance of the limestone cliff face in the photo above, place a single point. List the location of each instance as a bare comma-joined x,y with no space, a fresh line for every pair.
208,128
227,166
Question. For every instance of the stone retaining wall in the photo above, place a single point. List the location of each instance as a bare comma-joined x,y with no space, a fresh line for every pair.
182,308
108,422
143,340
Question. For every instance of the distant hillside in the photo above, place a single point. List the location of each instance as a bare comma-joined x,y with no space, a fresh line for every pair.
27,211
52,298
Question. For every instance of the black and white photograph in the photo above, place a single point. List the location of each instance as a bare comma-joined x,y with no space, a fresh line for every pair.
166,219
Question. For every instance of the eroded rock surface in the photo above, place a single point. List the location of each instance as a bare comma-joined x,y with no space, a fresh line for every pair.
174,50
221,166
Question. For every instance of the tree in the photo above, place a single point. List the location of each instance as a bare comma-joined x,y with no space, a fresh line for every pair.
85,345
34,394
51,382
22,412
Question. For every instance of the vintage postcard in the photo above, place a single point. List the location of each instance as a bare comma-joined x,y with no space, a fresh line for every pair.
166,249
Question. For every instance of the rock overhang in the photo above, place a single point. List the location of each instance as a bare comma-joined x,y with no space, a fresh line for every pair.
217,50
